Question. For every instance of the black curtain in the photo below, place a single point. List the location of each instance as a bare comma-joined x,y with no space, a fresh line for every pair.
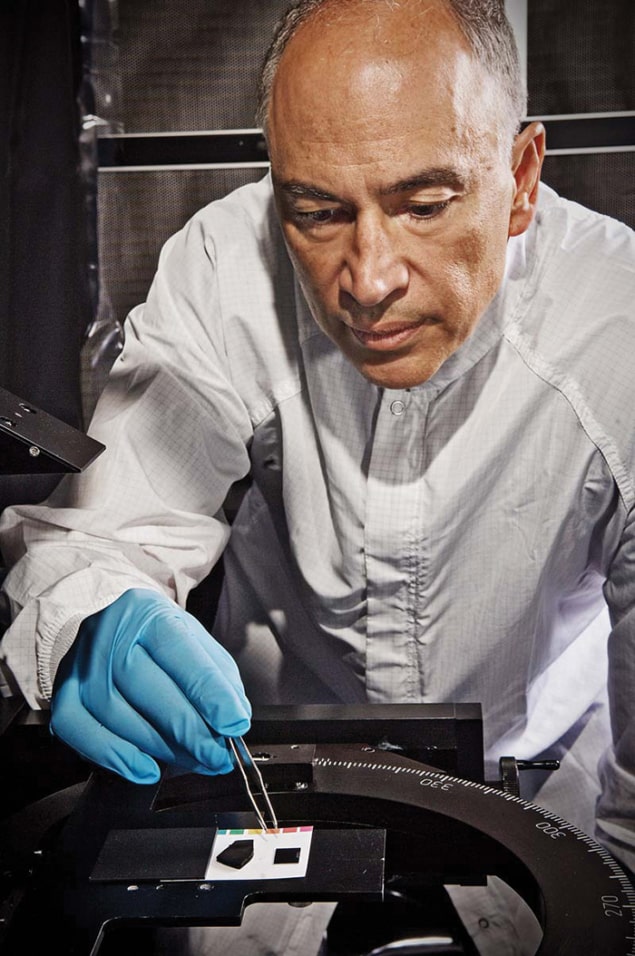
44,301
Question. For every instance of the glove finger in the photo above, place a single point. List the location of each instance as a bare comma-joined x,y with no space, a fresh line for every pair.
182,647
79,692
173,729
162,620
218,654
73,724
207,678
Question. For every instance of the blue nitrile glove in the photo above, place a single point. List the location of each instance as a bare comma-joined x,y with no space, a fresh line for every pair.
145,680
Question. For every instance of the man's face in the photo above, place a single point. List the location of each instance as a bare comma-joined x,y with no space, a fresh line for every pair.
394,193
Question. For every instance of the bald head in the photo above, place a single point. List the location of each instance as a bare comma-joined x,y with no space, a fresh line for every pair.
366,72
481,23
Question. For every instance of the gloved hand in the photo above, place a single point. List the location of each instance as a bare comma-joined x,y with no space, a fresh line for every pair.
143,682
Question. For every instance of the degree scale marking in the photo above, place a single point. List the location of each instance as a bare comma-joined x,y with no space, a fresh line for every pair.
573,833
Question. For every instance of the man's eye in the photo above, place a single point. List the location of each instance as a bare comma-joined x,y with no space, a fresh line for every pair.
318,217
427,210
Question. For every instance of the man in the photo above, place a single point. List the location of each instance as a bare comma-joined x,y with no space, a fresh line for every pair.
421,357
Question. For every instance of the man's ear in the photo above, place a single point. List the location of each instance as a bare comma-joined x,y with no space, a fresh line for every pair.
528,153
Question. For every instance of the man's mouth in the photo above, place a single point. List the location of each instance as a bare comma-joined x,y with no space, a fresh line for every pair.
385,339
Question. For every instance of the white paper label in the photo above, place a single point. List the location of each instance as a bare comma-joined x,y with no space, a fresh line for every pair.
259,854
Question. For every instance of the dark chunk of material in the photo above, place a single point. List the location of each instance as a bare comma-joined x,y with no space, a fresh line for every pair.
237,855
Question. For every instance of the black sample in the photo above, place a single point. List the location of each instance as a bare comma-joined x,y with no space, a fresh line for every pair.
237,855
287,854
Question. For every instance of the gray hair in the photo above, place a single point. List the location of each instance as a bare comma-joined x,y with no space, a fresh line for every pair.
482,22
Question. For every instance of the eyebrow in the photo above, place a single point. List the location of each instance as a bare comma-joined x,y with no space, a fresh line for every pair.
437,176
300,190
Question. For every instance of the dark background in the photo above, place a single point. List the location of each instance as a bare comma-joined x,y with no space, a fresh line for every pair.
44,307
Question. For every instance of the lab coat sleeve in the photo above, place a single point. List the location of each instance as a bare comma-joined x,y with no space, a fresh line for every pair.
616,805
148,511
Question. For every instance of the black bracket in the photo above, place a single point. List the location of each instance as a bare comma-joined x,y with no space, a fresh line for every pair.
34,442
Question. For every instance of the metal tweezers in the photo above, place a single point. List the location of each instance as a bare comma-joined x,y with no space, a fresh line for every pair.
246,763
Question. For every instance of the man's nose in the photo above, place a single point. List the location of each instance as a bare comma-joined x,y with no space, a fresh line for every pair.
373,266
